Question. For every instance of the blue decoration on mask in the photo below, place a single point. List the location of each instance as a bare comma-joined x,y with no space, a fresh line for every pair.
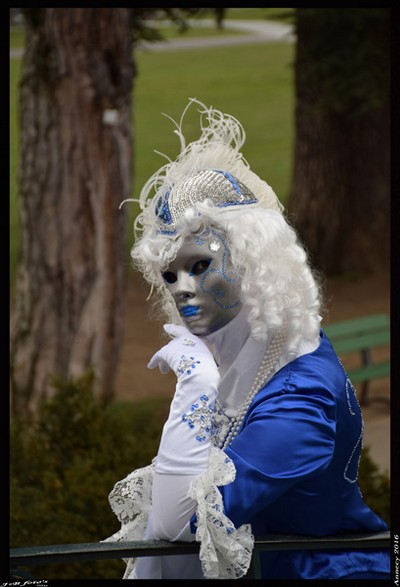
188,311
219,294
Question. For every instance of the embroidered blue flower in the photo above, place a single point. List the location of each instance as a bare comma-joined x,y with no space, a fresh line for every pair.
200,416
186,365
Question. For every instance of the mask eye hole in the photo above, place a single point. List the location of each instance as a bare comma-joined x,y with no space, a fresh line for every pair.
200,267
169,277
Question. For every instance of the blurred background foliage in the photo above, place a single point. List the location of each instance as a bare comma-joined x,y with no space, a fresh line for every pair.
64,466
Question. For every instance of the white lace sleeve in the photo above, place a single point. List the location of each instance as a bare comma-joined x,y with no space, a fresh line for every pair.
130,500
225,552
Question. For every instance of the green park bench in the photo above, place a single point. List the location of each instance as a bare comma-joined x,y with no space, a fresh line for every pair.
65,553
362,335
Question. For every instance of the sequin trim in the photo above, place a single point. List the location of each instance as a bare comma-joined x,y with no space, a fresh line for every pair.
349,386
349,462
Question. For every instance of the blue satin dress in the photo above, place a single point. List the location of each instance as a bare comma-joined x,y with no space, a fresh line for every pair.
297,458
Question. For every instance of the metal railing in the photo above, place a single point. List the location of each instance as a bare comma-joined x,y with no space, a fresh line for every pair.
59,553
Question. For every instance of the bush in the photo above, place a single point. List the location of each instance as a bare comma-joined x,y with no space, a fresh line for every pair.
65,465
375,486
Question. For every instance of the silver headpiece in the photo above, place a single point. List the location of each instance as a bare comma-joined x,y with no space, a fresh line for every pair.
220,187
210,168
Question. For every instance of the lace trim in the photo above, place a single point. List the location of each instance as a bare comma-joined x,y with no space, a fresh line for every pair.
220,426
225,552
130,500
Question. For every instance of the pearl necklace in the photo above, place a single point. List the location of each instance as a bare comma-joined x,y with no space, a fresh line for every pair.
265,371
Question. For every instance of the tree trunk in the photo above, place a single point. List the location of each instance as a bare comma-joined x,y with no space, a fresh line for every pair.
339,200
76,152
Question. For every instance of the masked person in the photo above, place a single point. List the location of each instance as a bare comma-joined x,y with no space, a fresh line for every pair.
264,433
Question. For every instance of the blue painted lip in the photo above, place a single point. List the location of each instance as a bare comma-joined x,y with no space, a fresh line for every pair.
188,311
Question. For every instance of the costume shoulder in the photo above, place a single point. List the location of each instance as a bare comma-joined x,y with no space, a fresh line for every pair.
290,428
315,374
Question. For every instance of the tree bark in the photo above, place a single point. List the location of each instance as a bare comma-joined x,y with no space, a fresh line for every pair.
339,200
75,169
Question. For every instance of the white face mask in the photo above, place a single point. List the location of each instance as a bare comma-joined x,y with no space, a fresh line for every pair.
203,283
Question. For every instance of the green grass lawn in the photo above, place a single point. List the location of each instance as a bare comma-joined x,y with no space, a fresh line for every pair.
253,83
17,34
278,14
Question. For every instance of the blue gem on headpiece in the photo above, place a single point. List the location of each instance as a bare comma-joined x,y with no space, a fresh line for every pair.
232,180
162,209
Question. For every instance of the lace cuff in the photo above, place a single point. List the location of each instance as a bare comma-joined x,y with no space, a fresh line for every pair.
130,500
225,552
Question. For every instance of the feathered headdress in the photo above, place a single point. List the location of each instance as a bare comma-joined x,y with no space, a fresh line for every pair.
210,169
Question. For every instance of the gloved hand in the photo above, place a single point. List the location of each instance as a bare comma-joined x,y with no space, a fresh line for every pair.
185,441
184,353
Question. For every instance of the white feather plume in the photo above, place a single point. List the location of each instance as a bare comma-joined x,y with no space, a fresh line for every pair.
218,147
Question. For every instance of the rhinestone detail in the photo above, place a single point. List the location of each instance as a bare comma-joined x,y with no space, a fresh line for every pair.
221,187
200,416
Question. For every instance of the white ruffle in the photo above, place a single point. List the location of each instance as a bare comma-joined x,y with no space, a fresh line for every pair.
130,500
225,552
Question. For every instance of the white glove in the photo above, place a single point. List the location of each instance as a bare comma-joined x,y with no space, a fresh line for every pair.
183,353
185,441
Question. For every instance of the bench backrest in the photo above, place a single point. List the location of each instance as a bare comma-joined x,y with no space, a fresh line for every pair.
359,333
31,556
363,335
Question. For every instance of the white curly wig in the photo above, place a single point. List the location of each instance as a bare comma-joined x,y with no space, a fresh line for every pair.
277,284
